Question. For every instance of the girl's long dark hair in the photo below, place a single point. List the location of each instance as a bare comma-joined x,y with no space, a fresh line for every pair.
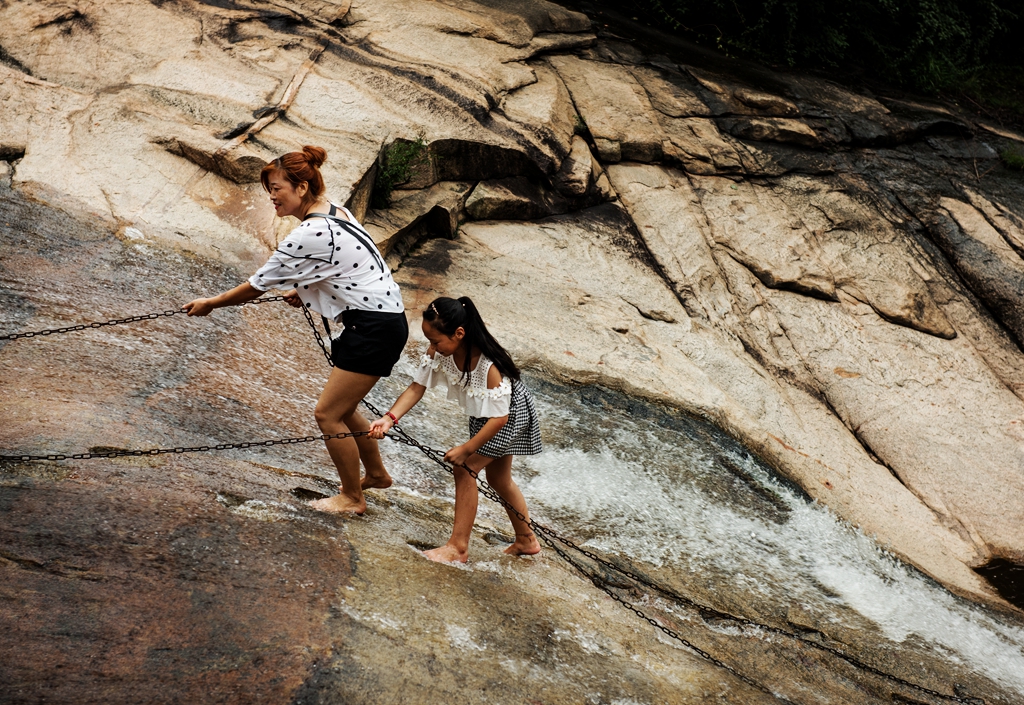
447,315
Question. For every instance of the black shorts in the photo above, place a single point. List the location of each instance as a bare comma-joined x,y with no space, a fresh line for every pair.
371,343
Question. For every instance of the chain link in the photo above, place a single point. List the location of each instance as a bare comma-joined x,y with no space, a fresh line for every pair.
120,453
603,587
547,535
719,614
118,321
552,538
320,340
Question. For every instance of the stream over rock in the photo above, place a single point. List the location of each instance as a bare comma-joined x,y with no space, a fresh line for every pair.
773,327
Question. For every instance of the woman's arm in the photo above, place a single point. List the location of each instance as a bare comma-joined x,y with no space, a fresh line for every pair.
406,401
239,295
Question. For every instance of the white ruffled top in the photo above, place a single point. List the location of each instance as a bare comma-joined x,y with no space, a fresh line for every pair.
474,397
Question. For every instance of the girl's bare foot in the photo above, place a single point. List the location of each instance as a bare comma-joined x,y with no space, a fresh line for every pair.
447,554
525,545
376,482
339,504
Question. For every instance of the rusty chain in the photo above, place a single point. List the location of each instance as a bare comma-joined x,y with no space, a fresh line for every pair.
552,538
121,453
118,321
547,535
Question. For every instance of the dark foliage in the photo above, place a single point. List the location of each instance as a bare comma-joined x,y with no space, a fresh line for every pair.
925,45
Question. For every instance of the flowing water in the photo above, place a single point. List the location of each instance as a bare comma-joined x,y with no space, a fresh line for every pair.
676,494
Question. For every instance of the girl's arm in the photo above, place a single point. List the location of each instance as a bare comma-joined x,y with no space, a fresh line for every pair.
458,454
239,295
406,401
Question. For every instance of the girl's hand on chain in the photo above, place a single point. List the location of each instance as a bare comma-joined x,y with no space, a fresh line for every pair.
458,455
379,427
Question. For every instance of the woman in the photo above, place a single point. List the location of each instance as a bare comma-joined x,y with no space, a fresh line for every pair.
332,267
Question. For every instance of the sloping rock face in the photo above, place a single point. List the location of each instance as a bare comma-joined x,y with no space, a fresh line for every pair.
204,577
836,280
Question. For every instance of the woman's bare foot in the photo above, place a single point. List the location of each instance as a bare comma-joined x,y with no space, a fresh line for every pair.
525,545
447,554
376,482
339,504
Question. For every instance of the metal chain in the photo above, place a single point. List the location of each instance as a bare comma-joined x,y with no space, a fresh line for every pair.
543,533
118,321
711,611
399,435
600,585
551,537
179,449
316,334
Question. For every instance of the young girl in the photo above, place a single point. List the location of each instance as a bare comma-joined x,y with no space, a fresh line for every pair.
502,419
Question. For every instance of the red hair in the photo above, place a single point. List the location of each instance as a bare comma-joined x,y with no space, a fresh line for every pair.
298,167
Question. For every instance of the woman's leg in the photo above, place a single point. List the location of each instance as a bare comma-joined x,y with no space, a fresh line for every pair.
499,476
377,476
342,393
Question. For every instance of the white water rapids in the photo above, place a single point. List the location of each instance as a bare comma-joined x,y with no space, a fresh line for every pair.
680,495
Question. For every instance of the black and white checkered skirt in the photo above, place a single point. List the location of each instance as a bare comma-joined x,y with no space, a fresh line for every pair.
521,433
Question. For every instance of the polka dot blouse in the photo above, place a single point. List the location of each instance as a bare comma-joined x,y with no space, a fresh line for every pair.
334,266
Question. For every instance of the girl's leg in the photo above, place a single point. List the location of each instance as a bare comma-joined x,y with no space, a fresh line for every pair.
343,391
466,500
369,452
499,476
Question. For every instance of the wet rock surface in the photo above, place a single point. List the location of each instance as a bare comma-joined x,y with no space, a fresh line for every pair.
118,587
205,577
831,278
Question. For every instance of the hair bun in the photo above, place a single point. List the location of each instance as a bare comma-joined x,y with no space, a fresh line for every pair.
315,155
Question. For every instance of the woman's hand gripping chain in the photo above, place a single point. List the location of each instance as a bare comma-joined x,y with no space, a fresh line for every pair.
292,299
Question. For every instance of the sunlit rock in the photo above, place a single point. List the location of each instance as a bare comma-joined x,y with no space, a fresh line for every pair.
615,108
773,324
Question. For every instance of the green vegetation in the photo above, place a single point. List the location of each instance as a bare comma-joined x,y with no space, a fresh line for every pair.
579,126
996,92
394,167
1013,157
935,46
